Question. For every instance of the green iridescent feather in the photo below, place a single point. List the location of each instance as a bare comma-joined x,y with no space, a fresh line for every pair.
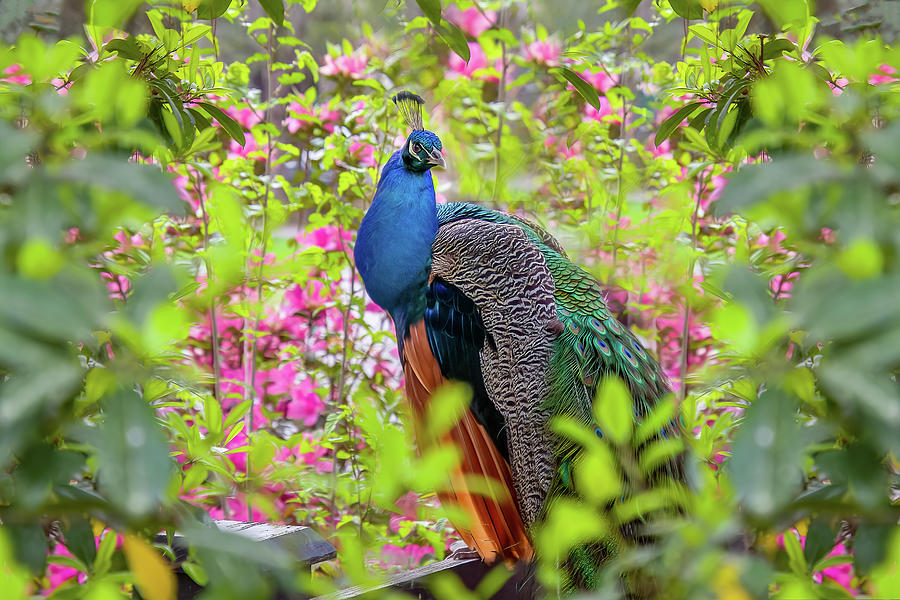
591,345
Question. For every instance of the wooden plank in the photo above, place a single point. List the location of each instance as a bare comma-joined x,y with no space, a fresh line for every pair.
465,565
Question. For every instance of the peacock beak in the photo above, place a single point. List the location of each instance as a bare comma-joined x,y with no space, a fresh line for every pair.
436,159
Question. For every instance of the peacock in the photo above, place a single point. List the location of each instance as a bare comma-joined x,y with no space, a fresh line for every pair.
491,299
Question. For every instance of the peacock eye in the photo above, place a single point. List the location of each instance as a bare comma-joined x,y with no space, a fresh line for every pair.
416,147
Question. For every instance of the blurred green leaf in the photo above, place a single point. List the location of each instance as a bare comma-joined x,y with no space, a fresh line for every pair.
79,538
132,455
613,410
766,456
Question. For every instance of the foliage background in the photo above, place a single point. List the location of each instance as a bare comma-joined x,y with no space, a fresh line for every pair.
183,333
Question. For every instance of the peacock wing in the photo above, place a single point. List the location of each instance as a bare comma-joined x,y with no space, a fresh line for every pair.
494,527
502,272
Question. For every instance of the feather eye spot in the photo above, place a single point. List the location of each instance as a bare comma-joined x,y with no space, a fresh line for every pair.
574,327
598,432
639,350
613,325
579,349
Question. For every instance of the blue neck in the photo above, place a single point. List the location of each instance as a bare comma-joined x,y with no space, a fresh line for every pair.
393,246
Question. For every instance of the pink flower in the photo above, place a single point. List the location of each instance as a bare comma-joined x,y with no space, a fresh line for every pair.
885,75
407,504
249,148
300,117
59,574
605,110
562,147
477,61
188,192
246,117
238,459
837,88
781,285
472,21
126,242
118,285
351,65
663,150
14,75
841,574
330,238
544,52
364,153
237,509
601,80
408,557
305,404
714,188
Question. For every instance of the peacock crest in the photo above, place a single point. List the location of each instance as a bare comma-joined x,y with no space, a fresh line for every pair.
410,107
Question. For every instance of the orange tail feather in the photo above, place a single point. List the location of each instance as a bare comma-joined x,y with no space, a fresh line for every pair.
496,529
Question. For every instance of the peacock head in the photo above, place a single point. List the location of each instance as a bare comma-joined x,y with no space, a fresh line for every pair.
422,151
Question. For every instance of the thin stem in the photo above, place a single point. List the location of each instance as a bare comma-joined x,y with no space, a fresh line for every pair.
501,97
342,382
620,193
213,327
685,328
250,390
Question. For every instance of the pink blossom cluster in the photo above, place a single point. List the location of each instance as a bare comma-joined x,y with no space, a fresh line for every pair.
477,67
349,66
472,21
842,574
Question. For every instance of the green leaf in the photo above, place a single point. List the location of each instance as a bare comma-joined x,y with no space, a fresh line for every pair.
275,10
228,124
596,475
30,545
687,9
820,537
103,560
38,259
796,561
765,465
755,183
200,120
569,524
668,127
870,546
774,48
613,410
125,47
145,183
132,455
212,412
79,537
212,9
586,90
446,407
656,421
112,13
431,9
455,39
